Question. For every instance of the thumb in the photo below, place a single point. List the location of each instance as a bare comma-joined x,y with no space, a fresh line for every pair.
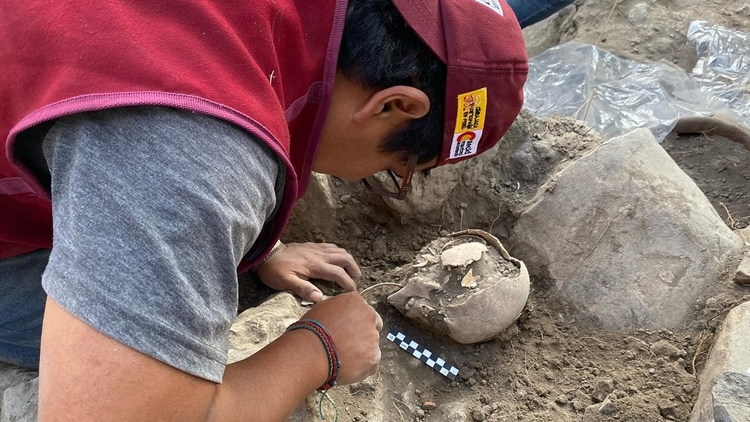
305,289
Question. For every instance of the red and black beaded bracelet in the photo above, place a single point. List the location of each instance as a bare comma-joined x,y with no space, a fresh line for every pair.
334,364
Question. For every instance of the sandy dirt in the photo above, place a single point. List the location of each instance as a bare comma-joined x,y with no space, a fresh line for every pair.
547,368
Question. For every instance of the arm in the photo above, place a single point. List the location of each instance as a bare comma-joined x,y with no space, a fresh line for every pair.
87,376
152,211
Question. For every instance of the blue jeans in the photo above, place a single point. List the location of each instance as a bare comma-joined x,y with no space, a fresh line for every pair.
530,12
22,302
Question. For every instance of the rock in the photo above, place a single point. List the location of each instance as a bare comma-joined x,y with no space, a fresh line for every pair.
578,405
547,33
667,409
317,207
256,327
591,413
379,248
624,228
607,407
602,389
744,234
466,372
728,354
638,13
478,415
19,402
18,394
742,275
454,412
366,386
429,405
731,397
466,286
562,400
664,348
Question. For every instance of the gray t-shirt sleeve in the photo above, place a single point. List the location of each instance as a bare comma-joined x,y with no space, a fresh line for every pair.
153,209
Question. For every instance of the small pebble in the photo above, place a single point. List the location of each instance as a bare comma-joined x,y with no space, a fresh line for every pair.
478,415
429,405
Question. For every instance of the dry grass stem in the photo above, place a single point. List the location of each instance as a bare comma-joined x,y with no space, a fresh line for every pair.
376,286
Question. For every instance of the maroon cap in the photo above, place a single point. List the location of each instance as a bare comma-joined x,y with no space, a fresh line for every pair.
481,43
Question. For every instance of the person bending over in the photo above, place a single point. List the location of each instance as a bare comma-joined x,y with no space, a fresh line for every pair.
153,150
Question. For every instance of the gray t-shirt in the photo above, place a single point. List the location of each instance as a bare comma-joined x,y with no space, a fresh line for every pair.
153,209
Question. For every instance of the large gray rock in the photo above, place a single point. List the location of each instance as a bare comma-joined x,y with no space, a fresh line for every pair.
742,275
255,328
730,353
731,397
17,399
547,33
625,238
20,402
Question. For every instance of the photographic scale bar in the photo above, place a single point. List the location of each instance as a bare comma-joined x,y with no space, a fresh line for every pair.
428,358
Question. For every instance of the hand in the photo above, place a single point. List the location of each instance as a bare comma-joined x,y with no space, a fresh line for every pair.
355,327
294,264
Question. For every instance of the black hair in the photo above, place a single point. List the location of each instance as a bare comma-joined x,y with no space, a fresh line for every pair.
379,50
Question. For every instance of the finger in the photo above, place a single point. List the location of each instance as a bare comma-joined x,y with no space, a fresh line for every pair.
327,246
347,262
304,289
334,274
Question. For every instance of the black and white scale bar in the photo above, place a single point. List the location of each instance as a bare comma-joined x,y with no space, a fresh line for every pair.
413,348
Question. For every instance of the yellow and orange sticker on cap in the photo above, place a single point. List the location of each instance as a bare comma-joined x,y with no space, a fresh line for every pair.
472,107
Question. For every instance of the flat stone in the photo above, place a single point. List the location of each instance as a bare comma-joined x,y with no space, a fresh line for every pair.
607,407
13,406
478,415
729,354
638,13
317,209
664,348
744,234
731,397
624,228
547,33
742,275
667,409
255,328
578,405
602,389
20,402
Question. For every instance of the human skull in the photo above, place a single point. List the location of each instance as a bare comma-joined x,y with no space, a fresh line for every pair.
465,285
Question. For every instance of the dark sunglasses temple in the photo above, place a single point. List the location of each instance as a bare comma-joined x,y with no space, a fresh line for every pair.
411,165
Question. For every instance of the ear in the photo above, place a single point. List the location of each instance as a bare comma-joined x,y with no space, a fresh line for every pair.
398,104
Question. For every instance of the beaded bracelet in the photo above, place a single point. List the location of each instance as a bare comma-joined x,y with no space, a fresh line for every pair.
334,364
275,249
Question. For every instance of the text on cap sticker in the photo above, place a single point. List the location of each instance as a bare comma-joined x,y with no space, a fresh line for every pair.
469,123
492,4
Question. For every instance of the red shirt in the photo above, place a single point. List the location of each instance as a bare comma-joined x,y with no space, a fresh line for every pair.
267,66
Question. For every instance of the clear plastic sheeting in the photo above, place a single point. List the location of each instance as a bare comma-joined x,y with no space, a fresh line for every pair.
723,67
615,96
